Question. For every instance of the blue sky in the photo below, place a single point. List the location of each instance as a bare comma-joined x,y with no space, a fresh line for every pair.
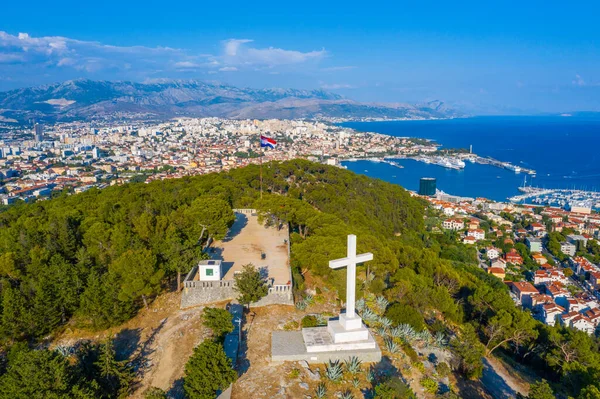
506,57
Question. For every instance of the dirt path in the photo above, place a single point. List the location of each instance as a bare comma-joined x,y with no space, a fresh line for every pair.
500,381
158,342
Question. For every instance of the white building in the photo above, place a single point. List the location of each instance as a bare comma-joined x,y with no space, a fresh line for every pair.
453,224
477,234
568,248
492,253
210,270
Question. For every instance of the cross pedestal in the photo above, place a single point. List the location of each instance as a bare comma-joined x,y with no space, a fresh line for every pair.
349,327
343,338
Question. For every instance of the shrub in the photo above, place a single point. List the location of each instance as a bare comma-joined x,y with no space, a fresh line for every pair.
310,321
392,389
155,393
295,373
410,352
429,384
443,369
419,366
400,313
291,325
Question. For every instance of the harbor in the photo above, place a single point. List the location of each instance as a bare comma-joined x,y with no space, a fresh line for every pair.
583,200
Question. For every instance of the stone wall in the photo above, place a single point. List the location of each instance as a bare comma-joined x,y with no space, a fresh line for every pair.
203,292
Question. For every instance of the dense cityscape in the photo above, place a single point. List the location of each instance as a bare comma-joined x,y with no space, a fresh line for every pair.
75,156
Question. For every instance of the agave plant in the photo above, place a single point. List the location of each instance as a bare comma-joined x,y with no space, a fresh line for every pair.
396,332
321,320
353,365
301,304
356,383
308,299
381,331
334,371
360,305
369,316
391,345
385,322
370,375
440,340
425,336
321,391
65,350
381,303
347,395
408,333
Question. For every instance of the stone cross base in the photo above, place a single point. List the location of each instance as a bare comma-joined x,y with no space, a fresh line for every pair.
320,339
291,346
341,335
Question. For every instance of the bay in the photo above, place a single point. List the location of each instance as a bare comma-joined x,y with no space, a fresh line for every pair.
565,152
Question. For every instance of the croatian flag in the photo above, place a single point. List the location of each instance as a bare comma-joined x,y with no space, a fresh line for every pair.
267,142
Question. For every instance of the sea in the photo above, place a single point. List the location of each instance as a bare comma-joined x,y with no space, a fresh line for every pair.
563,150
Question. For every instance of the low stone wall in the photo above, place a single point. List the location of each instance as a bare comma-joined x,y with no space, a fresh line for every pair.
203,292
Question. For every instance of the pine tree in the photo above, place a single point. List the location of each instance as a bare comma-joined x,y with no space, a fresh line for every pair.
250,285
116,375
207,371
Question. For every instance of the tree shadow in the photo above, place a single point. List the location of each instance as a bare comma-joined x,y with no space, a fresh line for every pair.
494,383
126,343
241,220
263,271
217,254
382,371
141,362
176,391
243,364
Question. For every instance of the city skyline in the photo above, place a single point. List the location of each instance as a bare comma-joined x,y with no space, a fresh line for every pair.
522,59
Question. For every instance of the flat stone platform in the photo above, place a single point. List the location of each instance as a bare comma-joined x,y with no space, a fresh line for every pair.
319,339
289,346
246,241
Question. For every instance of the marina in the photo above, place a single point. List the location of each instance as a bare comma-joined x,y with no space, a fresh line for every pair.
564,198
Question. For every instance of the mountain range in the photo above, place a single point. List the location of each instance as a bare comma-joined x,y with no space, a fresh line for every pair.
84,99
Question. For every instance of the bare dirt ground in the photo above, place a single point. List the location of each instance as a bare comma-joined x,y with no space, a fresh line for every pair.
501,380
158,343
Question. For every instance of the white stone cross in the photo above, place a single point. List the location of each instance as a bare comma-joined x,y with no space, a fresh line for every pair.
350,261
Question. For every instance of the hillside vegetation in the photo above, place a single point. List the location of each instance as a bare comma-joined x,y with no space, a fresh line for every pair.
93,259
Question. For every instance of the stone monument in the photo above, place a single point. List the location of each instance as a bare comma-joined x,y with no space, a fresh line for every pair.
342,338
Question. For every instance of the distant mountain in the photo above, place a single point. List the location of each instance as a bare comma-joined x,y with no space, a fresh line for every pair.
88,99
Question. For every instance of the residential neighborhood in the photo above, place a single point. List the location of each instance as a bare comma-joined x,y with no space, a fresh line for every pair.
547,256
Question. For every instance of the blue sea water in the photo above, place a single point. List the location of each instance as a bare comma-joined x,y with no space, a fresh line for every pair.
565,152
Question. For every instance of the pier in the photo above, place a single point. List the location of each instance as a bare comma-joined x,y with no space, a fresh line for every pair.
500,164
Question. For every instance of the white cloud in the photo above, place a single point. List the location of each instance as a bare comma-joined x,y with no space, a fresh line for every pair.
336,86
236,52
578,81
339,68
186,64
34,59
231,46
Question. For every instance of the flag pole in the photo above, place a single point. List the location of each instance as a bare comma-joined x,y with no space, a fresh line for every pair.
260,156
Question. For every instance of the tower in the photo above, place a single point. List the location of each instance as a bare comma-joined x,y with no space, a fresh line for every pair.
427,186
38,131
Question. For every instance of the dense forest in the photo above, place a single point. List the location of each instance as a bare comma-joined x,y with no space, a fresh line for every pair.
92,260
